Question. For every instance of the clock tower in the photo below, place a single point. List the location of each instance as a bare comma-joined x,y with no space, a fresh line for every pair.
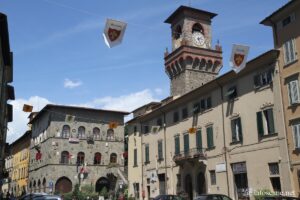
192,62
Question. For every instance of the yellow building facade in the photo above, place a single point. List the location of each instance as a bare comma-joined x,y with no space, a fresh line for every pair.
20,164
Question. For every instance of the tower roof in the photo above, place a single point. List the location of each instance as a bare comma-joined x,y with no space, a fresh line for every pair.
189,12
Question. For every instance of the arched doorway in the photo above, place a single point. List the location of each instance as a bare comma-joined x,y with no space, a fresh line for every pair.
63,185
189,186
201,186
101,183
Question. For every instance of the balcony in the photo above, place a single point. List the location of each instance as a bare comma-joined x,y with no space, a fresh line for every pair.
195,154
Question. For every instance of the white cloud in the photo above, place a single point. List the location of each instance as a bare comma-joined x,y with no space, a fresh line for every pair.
127,102
20,119
71,84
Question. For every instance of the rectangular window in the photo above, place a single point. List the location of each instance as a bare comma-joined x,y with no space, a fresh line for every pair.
134,130
147,153
160,150
175,117
265,122
274,168
231,93
286,21
203,104
186,141
213,178
289,51
146,129
293,89
196,108
296,134
177,145
236,129
208,103
135,158
159,122
263,79
199,140
210,137
184,113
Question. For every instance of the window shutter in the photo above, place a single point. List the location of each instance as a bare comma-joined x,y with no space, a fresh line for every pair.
233,131
186,143
160,150
208,102
295,136
294,91
286,53
271,121
260,126
147,153
292,50
135,157
210,139
199,139
240,129
177,146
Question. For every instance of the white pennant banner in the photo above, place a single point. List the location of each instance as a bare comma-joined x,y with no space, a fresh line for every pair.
238,58
114,32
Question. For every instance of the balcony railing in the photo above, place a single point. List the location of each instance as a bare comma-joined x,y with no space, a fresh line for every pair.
195,153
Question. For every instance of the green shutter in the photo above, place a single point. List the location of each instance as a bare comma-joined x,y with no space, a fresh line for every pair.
177,145
147,153
160,156
233,135
210,137
260,126
271,127
240,129
135,157
186,143
199,139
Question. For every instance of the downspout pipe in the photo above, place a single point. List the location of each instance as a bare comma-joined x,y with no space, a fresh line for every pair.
224,137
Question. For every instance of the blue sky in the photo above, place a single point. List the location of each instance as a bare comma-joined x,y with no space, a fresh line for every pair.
60,56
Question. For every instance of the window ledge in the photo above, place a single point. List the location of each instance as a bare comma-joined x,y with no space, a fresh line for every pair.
235,142
160,159
294,105
210,148
206,110
290,63
147,162
263,87
135,165
268,136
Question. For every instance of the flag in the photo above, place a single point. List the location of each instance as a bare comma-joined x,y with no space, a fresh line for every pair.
113,125
114,32
70,118
238,58
27,108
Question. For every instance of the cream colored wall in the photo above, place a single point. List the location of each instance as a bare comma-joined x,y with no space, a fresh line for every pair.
256,153
134,173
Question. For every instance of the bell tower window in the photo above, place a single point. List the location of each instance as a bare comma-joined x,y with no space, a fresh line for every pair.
197,28
178,32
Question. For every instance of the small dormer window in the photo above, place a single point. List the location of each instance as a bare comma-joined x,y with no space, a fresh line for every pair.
197,28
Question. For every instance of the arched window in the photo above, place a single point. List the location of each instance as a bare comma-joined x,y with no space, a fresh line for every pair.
177,32
197,28
64,159
113,158
110,134
81,132
66,131
96,133
80,158
44,185
97,158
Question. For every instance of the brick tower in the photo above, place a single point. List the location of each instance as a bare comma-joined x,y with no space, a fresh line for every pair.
192,62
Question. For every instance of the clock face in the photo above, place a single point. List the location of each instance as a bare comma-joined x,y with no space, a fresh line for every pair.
198,39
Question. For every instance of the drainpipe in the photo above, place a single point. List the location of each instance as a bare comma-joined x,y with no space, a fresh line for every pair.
224,139
165,144
142,164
